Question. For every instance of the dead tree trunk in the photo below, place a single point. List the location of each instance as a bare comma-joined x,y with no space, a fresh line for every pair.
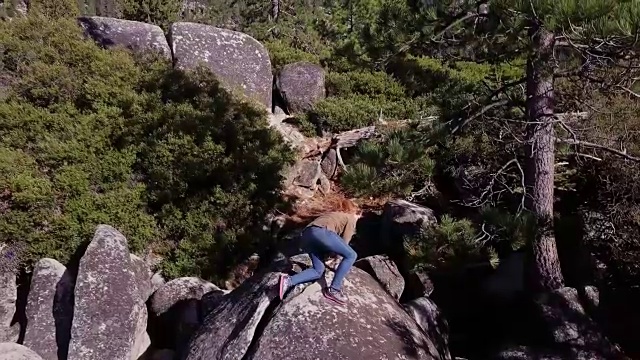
545,271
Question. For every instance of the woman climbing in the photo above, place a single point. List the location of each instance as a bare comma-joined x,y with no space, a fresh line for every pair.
330,232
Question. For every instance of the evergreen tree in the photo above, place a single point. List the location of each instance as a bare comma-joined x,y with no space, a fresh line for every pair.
600,33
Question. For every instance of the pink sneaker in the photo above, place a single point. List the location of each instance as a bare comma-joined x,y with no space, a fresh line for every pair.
285,284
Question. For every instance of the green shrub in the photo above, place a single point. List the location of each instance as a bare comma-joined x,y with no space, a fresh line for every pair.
396,166
62,175
448,246
282,54
159,12
337,114
90,136
54,9
377,85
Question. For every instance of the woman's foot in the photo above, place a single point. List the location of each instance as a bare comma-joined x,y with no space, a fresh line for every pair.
285,284
334,295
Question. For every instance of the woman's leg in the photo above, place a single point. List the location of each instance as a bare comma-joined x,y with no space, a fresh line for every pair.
334,243
310,274
309,243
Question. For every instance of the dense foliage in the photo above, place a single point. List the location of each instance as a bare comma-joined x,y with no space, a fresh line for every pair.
392,61
90,136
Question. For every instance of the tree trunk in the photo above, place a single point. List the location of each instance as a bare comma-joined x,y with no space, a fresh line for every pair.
545,271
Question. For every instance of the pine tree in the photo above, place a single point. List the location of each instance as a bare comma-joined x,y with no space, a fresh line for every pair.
602,33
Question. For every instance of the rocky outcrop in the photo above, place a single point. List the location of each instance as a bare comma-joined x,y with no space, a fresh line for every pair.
401,217
180,289
385,272
418,284
133,35
107,309
431,320
569,331
237,59
301,85
49,310
329,163
13,351
251,323
371,326
9,332
147,282
177,308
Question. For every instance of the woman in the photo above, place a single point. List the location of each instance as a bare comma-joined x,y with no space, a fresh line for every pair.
328,233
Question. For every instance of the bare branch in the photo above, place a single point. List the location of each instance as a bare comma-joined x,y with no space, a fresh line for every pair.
622,153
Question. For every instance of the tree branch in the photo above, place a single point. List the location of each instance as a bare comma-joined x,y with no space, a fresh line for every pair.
621,153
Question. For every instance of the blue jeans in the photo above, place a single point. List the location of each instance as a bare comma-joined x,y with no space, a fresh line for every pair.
318,242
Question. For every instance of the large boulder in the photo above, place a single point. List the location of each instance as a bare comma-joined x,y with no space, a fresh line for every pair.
569,332
177,308
134,35
145,278
8,295
13,351
301,85
107,310
401,218
49,310
431,320
180,289
237,59
385,272
251,323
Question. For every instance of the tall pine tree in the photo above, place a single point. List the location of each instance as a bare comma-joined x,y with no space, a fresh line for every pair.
600,33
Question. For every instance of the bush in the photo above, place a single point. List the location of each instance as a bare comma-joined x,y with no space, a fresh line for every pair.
159,12
90,136
376,85
54,9
397,166
282,54
446,247
61,174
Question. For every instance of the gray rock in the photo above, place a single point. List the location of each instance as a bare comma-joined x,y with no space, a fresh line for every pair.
49,310
527,353
418,285
141,341
237,59
308,174
329,163
107,306
228,330
209,302
177,290
431,320
371,326
325,184
301,85
13,351
134,35
385,272
8,297
571,329
400,219
143,277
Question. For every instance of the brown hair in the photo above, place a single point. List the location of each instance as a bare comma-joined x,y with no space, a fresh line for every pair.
308,210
